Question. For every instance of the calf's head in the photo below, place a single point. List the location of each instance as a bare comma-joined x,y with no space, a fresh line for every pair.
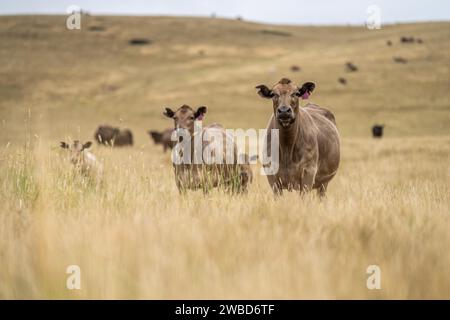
76,150
285,96
185,117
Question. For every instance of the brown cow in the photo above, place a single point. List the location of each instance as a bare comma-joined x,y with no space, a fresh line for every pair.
163,138
308,139
205,175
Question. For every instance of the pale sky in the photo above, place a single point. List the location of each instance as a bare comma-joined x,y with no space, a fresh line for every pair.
271,11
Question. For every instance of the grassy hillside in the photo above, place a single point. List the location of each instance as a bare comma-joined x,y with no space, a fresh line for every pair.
74,80
134,236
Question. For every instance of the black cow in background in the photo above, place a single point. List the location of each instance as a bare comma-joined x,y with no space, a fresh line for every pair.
377,130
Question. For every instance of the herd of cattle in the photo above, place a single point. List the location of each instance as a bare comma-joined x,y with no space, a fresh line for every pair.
351,67
309,144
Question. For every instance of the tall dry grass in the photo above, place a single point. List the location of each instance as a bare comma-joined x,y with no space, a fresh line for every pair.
134,236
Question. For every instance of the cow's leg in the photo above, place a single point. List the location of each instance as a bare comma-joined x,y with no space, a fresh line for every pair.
277,189
308,177
322,190
276,185
181,186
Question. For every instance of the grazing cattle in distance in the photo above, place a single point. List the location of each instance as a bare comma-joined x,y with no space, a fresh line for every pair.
377,130
295,68
389,43
342,81
113,136
410,40
309,147
139,42
351,67
163,138
276,33
204,175
404,39
96,28
84,161
400,60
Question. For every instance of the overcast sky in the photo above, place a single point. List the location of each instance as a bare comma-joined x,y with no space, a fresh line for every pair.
271,11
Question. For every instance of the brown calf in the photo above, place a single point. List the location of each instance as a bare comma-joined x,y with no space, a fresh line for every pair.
84,161
204,175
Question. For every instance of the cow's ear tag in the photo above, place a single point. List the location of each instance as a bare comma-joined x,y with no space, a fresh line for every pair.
305,95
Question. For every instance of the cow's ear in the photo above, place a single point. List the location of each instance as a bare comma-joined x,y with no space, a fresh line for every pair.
87,145
200,113
63,145
264,92
305,91
169,113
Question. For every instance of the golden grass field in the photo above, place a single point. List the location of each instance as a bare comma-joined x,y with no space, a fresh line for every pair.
134,236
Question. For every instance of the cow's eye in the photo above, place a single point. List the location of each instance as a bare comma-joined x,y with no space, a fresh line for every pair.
191,118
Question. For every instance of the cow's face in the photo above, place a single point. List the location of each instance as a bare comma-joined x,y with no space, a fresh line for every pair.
185,117
76,150
285,96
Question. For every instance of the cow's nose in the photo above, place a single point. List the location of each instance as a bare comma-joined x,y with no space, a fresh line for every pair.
284,110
